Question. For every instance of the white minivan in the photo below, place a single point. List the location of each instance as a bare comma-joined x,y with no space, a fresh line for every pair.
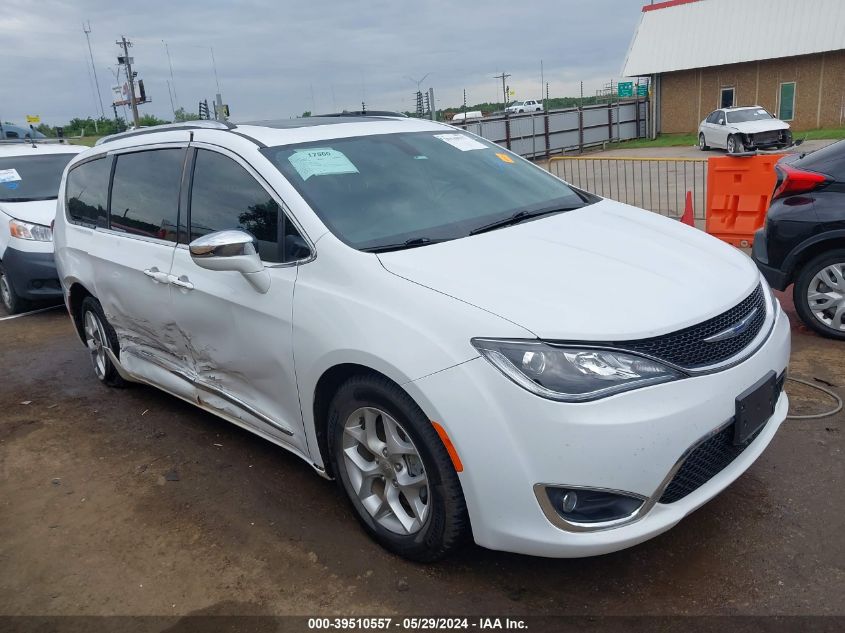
30,174
470,346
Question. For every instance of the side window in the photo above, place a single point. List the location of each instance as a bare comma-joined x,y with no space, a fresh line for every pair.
87,192
145,193
224,195
713,116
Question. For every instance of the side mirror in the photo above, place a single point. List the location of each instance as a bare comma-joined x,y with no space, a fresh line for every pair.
232,250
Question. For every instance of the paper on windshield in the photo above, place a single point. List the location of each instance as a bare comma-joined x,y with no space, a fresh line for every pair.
761,112
9,175
461,141
321,161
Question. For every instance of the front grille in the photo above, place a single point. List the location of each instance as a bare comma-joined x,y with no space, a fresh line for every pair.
766,137
686,348
708,459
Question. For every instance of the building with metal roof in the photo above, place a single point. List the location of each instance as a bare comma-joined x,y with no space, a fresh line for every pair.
785,55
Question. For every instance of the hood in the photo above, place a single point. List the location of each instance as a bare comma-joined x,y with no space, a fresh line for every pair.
605,272
38,212
753,127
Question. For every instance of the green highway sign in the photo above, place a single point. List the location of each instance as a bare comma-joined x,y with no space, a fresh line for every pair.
642,90
625,88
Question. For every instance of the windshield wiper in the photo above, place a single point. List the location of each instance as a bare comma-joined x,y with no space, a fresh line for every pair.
37,199
516,218
414,242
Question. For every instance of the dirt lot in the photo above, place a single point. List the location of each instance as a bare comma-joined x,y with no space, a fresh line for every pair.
132,502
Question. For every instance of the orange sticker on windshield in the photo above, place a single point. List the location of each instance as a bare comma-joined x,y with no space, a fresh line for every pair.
504,157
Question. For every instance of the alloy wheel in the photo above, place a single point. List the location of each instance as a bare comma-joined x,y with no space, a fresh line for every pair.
95,339
826,296
385,470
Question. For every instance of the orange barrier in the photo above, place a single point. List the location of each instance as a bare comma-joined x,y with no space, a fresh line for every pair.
739,190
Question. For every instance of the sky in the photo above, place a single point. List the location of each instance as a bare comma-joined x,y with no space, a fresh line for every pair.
279,59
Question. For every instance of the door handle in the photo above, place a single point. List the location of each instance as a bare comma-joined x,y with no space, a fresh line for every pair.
157,275
181,282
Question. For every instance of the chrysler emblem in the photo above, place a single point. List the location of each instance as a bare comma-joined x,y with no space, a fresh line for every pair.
735,330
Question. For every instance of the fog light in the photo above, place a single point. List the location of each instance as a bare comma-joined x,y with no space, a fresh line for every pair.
592,506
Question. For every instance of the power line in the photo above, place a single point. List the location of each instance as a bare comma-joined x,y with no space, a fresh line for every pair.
174,101
86,28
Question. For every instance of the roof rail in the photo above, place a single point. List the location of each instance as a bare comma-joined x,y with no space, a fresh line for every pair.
168,127
30,141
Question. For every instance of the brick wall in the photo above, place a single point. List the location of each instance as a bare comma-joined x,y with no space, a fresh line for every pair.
690,95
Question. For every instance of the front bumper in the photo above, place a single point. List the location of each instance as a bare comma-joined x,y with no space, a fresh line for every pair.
509,440
767,141
32,274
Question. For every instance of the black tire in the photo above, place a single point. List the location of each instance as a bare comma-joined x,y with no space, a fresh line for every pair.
446,525
109,375
737,145
802,284
13,303
702,144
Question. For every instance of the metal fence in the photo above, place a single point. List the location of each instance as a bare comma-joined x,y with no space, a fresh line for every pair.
656,184
559,131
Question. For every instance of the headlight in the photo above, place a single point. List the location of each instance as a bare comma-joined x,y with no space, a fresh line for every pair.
572,374
27,231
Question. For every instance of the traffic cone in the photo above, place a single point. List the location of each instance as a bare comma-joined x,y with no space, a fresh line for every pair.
687,217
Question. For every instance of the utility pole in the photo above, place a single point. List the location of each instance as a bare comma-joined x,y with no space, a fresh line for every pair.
542,83
86,28
503,76
131,77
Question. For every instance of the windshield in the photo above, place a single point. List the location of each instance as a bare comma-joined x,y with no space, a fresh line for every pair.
28,178
386,189
742,116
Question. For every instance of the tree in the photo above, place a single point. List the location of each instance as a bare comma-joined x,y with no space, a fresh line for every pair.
149,120
307,113
181,115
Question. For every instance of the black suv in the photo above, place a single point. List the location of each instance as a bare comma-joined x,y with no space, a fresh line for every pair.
803,241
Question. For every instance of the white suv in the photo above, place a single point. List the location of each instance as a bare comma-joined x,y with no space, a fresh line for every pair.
518,107
30,174
457,336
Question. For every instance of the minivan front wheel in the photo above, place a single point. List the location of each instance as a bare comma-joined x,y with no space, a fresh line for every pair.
10,299
394,469
99,336
819,294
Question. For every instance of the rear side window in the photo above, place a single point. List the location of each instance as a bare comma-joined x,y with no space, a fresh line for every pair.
828,160
145,193
87,192
224,195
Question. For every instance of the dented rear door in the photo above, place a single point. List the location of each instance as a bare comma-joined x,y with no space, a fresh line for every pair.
132,261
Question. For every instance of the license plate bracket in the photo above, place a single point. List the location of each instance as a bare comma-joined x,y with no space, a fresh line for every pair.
754,407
